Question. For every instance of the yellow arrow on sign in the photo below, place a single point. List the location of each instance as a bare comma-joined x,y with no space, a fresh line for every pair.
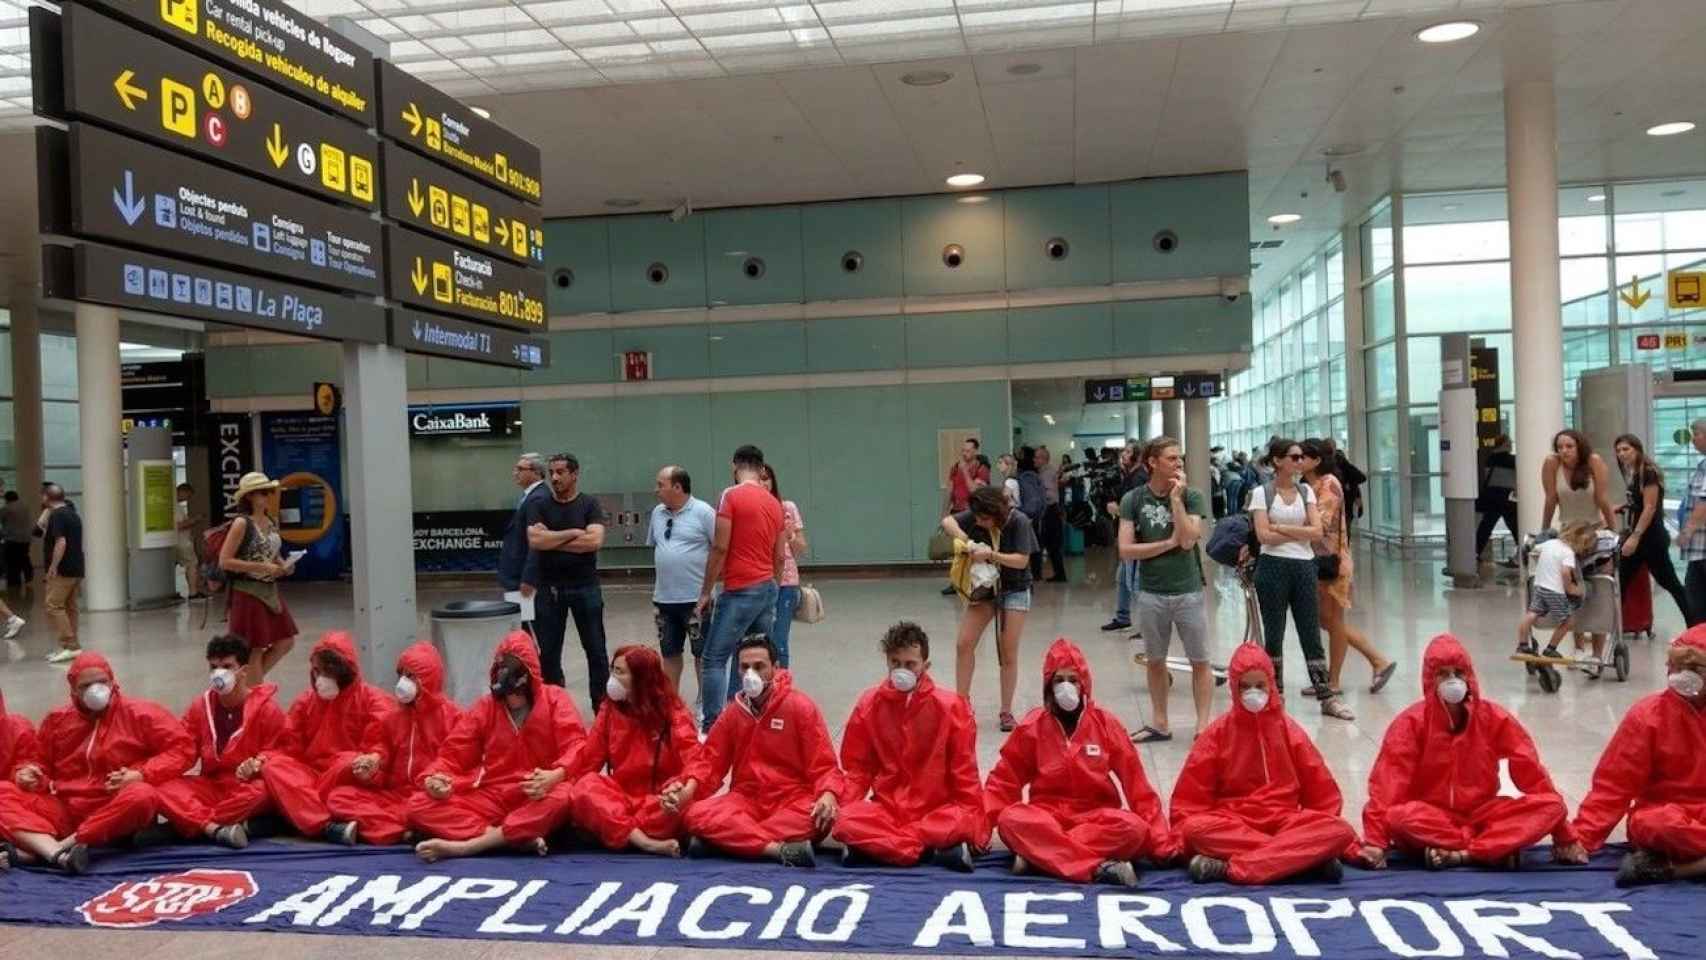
419,277
412,114
502,230
127,91
1636,298
277,149
416,202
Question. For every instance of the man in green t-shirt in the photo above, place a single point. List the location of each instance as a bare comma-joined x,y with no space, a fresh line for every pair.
1160,524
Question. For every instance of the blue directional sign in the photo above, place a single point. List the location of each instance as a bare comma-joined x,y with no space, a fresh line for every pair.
420,332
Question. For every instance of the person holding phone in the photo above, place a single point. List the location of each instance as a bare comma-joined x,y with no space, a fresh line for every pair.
253,557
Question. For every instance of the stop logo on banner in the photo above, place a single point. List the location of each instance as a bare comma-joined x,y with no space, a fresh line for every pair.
174,896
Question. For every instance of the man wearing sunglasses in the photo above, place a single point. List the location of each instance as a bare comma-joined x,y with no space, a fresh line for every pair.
680,536
518,569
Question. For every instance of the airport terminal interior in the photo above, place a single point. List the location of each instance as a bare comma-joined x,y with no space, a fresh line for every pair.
376,250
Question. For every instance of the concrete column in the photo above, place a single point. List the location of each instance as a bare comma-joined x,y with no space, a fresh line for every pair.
381,504
101,453
1531,162
1173,419
26,395
1196,447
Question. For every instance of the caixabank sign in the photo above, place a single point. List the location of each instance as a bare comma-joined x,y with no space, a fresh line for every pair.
464,420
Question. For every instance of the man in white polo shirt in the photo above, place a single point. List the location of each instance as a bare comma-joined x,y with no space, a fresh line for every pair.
680,536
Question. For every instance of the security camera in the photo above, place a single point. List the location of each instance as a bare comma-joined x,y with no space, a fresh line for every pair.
1230,289
682,211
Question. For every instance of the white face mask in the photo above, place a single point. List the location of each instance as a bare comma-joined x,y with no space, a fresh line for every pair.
1066,695
1254,699
407,690
97,696
615,689
752,683
326,687
903,679
1687,683
222,680
1454,690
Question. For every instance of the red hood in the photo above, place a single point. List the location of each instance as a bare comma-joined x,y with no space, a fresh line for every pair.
1445,650
1063,653
341,643
421,661
1249,657
519,645
1694,636
89,660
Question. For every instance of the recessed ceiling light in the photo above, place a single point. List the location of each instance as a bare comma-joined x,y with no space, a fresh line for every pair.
1049,419
963,180
1449,31
1597,198
482,112
1281,219
622,203
925,78
1025,69
976,199
1670,129
1343,150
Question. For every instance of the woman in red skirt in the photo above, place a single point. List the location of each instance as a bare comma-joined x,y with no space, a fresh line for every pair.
253,560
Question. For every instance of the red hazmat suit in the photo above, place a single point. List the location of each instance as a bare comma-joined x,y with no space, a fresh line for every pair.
1653,770
642,762
915,756
216,796
1074,819
18,748
321,737
79,749
779,761
489,757
406,740
1435,787
1256,793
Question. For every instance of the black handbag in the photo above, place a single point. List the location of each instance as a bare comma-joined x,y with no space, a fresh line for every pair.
1327,567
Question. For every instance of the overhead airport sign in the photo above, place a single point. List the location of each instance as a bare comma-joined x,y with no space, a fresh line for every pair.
119,190
1183,386
418,332
424,195
269,39
441,127
440,276
120,77
97,273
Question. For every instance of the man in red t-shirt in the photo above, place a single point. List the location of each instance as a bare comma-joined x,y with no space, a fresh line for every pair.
746,558
967,474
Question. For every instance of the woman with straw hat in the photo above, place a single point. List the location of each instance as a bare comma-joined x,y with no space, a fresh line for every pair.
252,558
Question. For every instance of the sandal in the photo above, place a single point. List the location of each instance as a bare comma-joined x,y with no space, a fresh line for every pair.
1335,708
1151,735
1007,721
1384,675
1439,859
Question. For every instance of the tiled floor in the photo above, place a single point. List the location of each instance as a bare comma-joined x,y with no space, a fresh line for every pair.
1400,604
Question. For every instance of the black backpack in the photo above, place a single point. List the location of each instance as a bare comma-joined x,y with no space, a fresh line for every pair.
1232,533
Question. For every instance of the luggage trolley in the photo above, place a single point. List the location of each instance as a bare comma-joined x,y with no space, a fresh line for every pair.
1601,612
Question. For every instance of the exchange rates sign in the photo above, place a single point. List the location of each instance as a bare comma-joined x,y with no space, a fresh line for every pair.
268,39
433,333
123,191
445,129
439,276
120,77
426,196
96,273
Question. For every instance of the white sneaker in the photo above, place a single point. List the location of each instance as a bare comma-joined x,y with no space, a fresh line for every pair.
14,627
1592,666
63,655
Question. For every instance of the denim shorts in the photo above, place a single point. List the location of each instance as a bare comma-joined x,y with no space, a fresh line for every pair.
1019,601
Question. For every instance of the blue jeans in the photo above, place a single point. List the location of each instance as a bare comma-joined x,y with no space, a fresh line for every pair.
1127,586
787,600
738,613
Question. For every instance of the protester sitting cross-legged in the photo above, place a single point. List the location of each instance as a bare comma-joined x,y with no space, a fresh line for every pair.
1255,802
644,736
1654,772
773,746
502,776
20,760
1077,759
101,759
230,724
909,753
371,799
1434,788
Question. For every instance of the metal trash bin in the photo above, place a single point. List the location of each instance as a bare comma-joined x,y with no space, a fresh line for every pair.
465,633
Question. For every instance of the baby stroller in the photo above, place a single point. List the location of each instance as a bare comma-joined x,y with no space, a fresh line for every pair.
1601,612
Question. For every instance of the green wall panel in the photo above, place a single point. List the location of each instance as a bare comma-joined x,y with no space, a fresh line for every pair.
869,227
1077,332
583,248
859,475
929,224
1209,214
678,352
577,356
752,349
638,242
272,369
661,430
958,339
585,427
1077,215
776,422
771,234
444,373
981,405
855,343
1188,325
